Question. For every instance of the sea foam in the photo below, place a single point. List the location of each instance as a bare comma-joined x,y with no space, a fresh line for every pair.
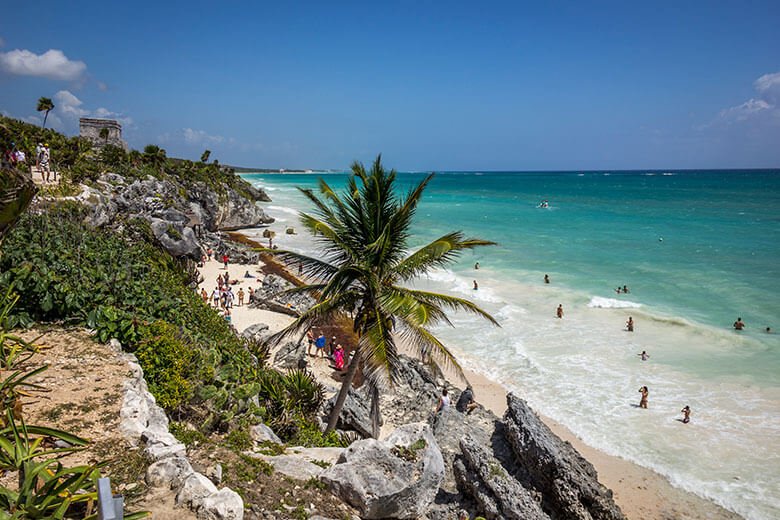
599,302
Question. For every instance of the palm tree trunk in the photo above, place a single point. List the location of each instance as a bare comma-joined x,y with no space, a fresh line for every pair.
345,386
45,117
375,415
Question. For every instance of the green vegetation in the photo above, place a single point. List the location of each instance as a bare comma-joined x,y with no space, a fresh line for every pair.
364,234
45,105
78,162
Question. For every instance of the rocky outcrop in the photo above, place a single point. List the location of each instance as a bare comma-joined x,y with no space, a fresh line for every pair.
271,296
290,355
355,415
395,478
567,482
142,421
177,212
499,495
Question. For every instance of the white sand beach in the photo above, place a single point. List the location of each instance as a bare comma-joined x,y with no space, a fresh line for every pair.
641,493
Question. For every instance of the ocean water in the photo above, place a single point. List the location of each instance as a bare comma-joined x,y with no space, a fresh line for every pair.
697,249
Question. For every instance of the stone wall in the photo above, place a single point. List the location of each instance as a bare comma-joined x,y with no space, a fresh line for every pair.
90,128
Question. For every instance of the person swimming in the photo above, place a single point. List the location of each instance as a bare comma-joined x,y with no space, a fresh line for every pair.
476,285
546,279
644,355
739,324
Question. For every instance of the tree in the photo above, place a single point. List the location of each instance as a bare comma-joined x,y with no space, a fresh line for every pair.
363,234
205,157
45,104
155,157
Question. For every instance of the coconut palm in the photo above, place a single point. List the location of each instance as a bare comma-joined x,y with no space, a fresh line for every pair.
45,104
155,156
204,158
363,235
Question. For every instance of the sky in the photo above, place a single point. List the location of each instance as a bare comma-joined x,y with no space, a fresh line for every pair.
429,85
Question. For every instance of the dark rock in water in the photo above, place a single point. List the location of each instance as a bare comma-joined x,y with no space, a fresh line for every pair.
567,482
356,413
395,478
499,495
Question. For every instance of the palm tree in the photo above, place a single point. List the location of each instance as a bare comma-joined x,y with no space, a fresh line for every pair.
363,235
205,157
46,104
155,156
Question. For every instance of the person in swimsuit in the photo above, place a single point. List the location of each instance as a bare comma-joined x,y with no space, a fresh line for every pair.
559,311
630,324
644,355
546,279
686,414
739,324
643,401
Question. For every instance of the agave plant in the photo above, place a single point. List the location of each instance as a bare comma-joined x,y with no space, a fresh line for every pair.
304,393
14,350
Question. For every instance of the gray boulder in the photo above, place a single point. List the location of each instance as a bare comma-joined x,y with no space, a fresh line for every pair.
290,354
178,240
498,494
395,478
567,482
225,504
261,433
257,332
356,414
168,473
293,466
193,490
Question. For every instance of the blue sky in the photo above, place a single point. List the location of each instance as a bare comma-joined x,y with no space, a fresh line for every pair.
468,86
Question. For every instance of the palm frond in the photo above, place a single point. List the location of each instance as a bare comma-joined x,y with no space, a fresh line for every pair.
438,253
428,346
447,301
377,345
324,311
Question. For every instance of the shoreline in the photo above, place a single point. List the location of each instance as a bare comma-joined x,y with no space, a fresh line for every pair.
640,492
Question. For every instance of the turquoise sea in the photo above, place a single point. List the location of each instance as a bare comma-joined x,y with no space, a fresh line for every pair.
697,249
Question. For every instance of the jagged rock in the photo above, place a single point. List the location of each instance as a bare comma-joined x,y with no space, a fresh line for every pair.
261,433
415,393
567,482
193,490
294,466
270,296
163,438
168,473
160,451
178,240
290,354
256,332
395,478
499,495
225,504
355,415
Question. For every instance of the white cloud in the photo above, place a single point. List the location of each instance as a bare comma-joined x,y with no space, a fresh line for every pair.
52,64
199,137
69,105
102,86
745,110
768,89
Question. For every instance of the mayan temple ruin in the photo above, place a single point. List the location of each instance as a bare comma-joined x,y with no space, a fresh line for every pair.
102,131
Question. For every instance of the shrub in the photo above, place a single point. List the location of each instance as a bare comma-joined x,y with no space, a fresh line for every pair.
168,363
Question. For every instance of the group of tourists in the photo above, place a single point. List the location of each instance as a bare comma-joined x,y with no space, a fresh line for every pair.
332,349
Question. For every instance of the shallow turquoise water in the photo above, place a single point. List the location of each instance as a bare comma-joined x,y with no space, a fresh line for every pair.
697,249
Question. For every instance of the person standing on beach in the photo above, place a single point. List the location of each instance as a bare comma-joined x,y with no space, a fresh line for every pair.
559,311
630,324
739,324
320,344
215,296
546,279
686,414
644,355
331,346
241,297
225,260
310,339
204,295
643,401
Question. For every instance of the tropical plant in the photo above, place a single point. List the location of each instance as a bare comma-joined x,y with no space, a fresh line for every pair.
205,157
45,104
16,193
155,157
363,235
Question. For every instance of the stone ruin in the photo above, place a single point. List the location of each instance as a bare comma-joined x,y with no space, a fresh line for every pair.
90,128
